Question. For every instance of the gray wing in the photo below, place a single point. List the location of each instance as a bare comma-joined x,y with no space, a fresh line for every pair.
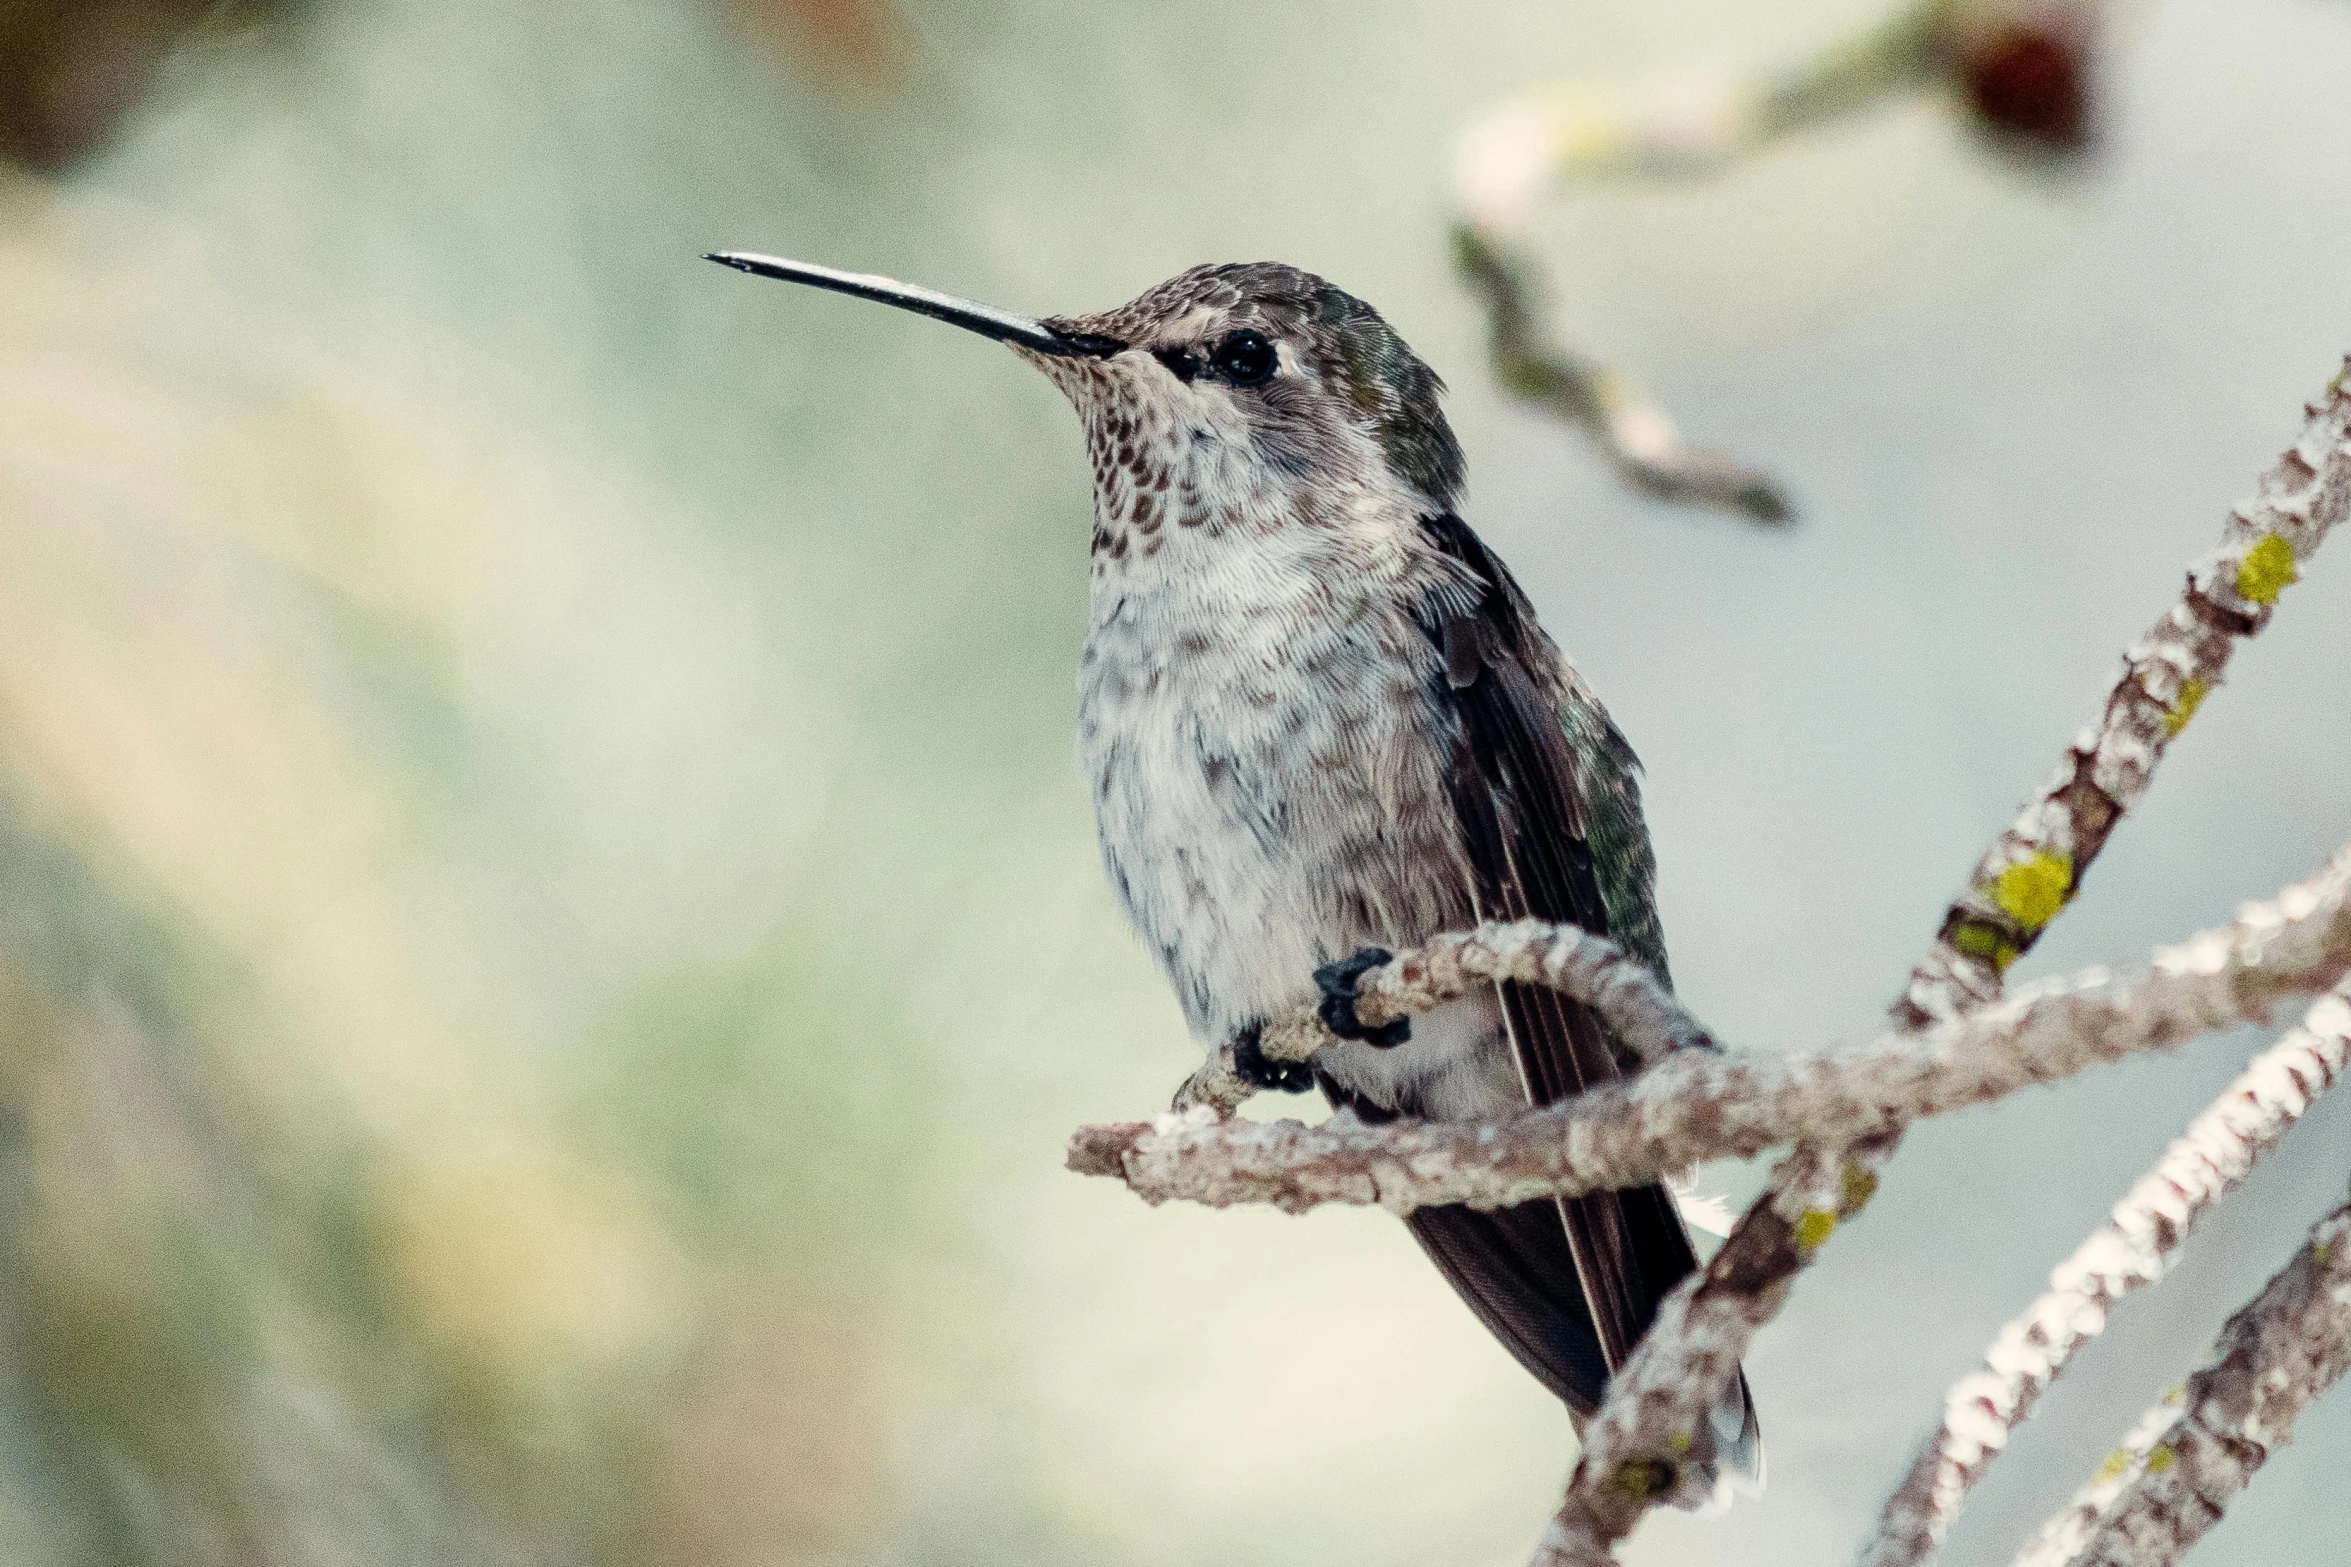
1546,793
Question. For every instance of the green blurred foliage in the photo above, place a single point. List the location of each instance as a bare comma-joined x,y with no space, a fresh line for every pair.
346,1227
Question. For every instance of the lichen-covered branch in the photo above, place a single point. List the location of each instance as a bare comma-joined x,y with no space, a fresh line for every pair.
1696,1104
2069,1529
2037,865
2150,1224
1631,432
1632,1449
2190,1456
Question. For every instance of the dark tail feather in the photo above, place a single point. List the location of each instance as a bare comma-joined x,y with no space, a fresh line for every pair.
1512,1266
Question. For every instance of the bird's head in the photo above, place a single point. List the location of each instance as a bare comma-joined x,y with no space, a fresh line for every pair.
1251,393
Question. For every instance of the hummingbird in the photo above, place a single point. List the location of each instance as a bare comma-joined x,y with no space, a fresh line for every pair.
1320,721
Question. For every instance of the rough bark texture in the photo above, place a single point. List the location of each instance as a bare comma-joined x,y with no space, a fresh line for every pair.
2188,1457
2150,1224
2019,886
2037,865
1695,1104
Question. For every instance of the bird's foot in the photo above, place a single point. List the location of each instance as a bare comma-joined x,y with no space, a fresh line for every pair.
1259,1070
1339,996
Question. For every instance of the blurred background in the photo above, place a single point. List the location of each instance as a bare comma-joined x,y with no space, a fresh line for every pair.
550,936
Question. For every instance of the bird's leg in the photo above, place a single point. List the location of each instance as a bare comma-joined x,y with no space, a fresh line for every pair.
1254,1067
1339,997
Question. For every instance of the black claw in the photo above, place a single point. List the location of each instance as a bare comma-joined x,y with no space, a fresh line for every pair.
1339,997
1260,1070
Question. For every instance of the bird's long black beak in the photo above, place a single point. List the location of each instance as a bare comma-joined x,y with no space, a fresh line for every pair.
987,320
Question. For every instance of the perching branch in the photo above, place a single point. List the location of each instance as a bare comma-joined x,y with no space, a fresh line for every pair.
1630,431
2150,1224
2190,1456
1641,1013
1632,1450
1695,1104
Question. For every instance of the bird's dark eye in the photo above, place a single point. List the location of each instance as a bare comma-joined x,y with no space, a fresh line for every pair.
1245,358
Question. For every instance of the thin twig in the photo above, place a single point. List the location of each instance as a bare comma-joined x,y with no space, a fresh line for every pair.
2068,1530
1684,127
2036,866
1630,431
1656,1399
2190,1456
2020,69
1698,1104
2150,1224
